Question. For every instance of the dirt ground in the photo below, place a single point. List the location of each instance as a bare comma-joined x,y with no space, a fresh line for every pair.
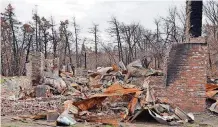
206,119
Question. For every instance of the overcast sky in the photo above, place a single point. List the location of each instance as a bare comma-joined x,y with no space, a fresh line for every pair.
94,11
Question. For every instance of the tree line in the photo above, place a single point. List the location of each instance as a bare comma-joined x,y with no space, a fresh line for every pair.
128,42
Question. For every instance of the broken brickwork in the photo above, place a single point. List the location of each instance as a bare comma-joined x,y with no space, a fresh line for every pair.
185,77
52,65
28,68
35,68
37,60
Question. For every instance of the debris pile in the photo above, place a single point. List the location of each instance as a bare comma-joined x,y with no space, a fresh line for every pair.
212,96
114,105
118,104
109,95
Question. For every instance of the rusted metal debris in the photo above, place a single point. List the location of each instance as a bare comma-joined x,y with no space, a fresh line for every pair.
113,113
212,93
109,96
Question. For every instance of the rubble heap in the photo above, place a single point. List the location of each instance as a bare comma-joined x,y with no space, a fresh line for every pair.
108,95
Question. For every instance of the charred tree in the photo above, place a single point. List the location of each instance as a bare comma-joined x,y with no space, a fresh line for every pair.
54,38
76,30
114,30
95,31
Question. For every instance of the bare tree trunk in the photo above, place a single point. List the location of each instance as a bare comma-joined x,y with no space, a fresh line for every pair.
127,58
118,40
15,47
53,38
39,41
65,53
76,40
68,45
94,31
85,61
37,45
45,44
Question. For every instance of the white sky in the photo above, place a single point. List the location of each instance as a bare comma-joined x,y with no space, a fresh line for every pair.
88,12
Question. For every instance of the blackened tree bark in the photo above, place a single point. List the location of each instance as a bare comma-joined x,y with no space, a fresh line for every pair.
128,32
37,20
45,25
83,54
95,31
115,30
9,16
65,34
28,48
54,38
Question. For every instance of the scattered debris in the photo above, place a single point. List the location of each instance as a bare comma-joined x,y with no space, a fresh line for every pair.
52,115
184,116
214,107
109,102
65,119
42,91
109,95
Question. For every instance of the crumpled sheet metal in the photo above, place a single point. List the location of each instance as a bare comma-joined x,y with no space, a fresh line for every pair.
68,105
177,117
214,107
114,90
89,103
184,116
211,94
66,119
133,103
164,114
211,87
211,91
157,117
104,70
117,93
115,68
114,87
